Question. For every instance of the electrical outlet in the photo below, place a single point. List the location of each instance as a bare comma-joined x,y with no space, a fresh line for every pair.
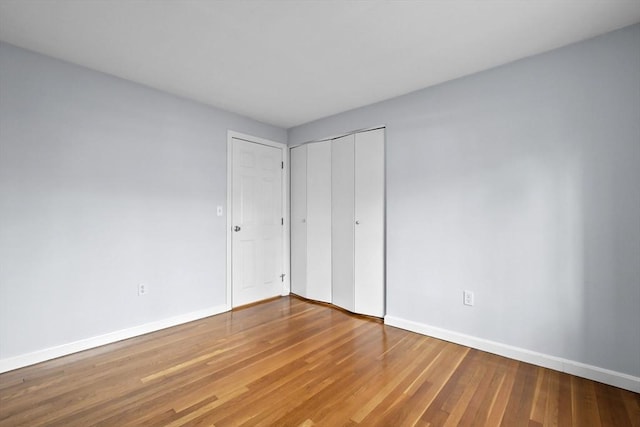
467,297
142,289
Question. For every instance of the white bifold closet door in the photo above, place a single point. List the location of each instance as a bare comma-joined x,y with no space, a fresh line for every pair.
319,221
369,223
298,191
342,222
357,237
311,221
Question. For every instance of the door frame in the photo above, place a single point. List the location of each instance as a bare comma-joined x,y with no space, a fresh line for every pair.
286,286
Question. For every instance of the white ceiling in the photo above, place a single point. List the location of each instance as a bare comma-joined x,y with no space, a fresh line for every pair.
290,62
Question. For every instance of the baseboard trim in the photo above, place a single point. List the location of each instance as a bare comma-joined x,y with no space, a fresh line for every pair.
11,363
606,376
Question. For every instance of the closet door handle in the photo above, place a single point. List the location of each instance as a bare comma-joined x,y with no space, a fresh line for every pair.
236,228
357,222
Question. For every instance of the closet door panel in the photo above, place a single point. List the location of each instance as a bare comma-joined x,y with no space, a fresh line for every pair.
342,221
369,220
298,220
319,221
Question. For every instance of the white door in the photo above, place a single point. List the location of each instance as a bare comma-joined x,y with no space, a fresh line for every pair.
357,215
369,223
257,222
319,221
342,222
298,156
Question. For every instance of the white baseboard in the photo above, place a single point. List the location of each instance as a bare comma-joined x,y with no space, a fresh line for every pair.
11,363
606,376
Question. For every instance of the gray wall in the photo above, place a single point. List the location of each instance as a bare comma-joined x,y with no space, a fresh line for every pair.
522,184
105,184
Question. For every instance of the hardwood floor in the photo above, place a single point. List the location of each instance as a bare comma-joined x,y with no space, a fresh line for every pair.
289,362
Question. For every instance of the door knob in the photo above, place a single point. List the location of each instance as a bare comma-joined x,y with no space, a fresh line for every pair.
236,228
357,222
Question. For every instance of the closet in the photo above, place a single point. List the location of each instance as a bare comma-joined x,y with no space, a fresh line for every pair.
337,221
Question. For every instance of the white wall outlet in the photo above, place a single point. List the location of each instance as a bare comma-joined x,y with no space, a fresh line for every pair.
142,289
219,210
467,297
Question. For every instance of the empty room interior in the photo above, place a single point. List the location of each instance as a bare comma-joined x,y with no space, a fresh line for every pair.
299,213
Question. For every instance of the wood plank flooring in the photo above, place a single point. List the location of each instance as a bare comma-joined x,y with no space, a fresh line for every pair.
289,362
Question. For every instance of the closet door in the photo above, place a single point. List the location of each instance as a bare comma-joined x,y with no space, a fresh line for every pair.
319,221
369,223
342,222
298,185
